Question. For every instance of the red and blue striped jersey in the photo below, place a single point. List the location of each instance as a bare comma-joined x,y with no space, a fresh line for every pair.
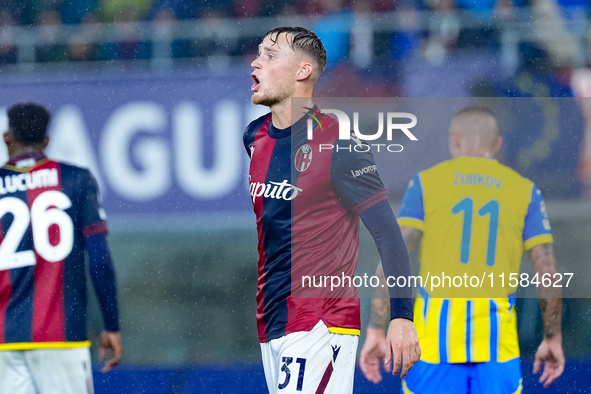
307,197
47,208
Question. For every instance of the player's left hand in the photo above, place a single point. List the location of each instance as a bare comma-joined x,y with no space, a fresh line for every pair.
402,346
372,355
551,354
110,341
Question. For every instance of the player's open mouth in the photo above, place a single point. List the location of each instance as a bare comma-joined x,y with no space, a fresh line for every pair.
255,83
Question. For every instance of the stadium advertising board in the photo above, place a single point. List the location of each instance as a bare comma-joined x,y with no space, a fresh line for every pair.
171,145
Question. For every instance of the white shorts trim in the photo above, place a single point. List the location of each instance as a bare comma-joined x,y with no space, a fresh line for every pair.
310,362
47,371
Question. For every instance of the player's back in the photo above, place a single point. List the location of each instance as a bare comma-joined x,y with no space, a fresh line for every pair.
475,211
476,216
46,210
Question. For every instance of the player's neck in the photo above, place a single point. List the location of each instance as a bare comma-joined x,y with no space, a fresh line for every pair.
484,153
22,150
285,115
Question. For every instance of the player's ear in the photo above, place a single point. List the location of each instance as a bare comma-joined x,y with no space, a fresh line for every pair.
499,143
306,69
45,142
8,137
454,143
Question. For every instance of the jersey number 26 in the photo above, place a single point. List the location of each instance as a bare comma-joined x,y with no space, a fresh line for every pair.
46,211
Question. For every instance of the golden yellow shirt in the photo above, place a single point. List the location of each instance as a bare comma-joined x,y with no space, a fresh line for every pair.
477,217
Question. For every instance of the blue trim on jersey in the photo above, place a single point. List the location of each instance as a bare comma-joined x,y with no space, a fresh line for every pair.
536,221
494,335
443,317
412,201
468,330
277,230
251,131
512,298
75,290
19,313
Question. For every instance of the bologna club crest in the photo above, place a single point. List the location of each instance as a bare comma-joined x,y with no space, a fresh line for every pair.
303,158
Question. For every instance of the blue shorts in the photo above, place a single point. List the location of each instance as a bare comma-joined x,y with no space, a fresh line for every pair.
471,378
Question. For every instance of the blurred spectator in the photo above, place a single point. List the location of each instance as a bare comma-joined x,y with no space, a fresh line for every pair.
180,9
164,46
550,32
74,11
221,40
405,41
50,49
334,27
247,8
444,30
127,43
8,50
24,12
117,10
362,35
82,45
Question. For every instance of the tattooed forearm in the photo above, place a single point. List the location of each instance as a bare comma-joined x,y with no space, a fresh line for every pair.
544,262
411,237
380,303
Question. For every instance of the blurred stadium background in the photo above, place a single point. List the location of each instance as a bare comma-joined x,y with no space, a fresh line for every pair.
153,96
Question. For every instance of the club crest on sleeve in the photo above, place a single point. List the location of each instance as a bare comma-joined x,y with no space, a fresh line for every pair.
303,158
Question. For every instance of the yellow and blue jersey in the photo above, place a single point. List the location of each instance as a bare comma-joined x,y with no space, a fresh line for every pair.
477,217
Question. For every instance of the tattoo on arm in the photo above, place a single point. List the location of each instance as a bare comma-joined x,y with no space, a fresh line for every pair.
550,298
380,303
411,237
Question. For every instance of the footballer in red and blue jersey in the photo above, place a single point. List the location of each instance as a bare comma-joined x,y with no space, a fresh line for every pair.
49,215
308,196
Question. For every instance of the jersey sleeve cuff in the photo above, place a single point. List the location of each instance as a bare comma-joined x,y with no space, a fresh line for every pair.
411,222
401,308
538,240
98,228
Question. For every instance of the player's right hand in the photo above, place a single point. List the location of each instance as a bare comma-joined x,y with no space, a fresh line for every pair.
110,341
402,346
551,355
372,355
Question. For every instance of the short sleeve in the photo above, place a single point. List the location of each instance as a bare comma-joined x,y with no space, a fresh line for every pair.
412,212
93,216
536,229
354,175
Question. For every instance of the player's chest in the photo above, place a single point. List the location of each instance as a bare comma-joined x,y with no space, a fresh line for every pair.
282,171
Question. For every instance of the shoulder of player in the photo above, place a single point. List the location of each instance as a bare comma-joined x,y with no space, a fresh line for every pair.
350,152
445,165
255,125
74,172
70,167
510,172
